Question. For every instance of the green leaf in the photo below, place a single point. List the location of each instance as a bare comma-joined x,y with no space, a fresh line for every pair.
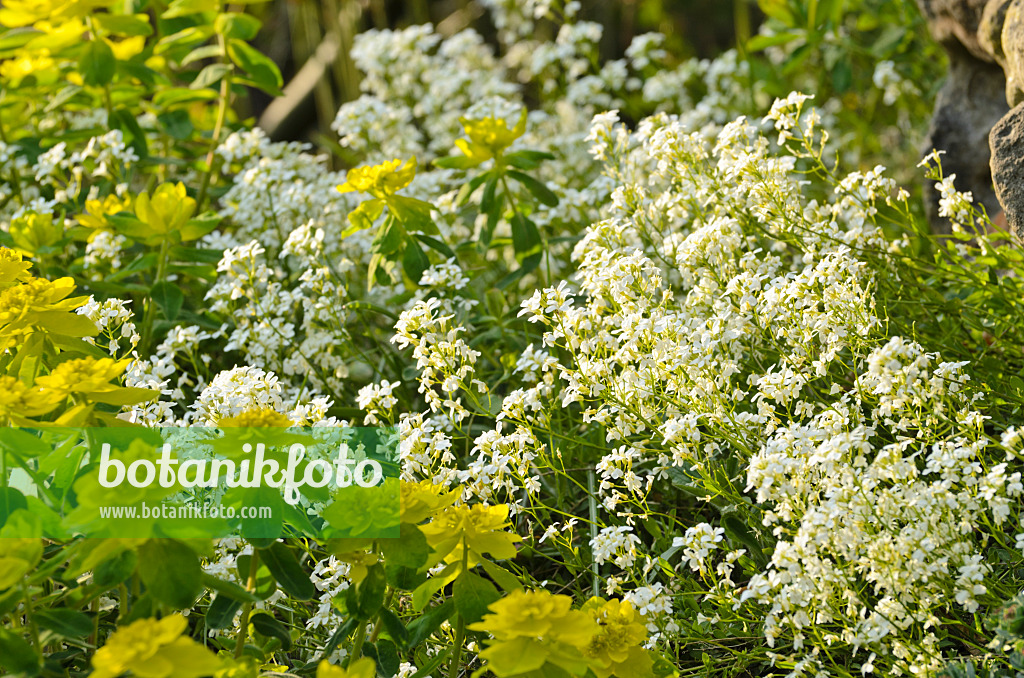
10,501
435,244
505,579
456,162
65,622
266,625
414,261
363,216
230,589
537,188
235,25
210,76
409,550
221,612
16,655
394,626
200,53
365,599
738,531
473,595
388,661
17,37
265,583
420,629
113,571
281,562
525,236
97,63
171,572
127,25
258,66
168,297
180,96
527,160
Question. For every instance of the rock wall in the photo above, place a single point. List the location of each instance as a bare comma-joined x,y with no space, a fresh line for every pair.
973,121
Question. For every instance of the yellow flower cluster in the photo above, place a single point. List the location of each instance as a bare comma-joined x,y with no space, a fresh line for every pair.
259,418
488,137
478,528
360,668
152,648
535,629
380,181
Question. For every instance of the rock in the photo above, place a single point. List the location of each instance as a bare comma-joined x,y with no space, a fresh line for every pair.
956,22
990,29
969,104
1007,141
1012,44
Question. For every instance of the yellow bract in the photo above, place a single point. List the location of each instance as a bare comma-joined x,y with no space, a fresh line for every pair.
82,376
534,628
12,268
381,180
424,499
256,418
29,62
19,400
360,668
152,648
97,211
482,529
168,209
33,231
16,13
617,649
489,137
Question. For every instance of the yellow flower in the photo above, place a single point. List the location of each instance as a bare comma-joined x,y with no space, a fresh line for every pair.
84,376
256,418
37,63
41,304
489,137
12,269
33,231
18,400
481,528
533,628
152,648
16,13
363,667
424,499
359,563
167,210
96,211
381,180
127,48
617,650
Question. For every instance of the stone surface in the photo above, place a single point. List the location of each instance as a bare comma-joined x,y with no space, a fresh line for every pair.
956,22
990,29
971,101
968,105
1012,44
1007,141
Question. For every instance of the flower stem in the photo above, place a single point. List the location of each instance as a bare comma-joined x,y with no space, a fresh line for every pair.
243,622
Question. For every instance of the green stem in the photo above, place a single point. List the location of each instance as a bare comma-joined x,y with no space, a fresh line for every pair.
243,622
592,504
460,625
149,317
218,126
357,643
379,624
30,618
